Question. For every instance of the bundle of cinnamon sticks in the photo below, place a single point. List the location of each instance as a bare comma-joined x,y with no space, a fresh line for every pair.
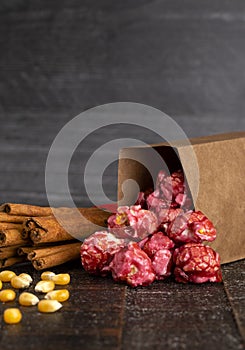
45,236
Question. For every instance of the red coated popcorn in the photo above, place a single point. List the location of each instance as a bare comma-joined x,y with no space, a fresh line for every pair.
162,263
159,248
133,222
166,216
170,191
156,242
192,226
171,186
120,218
155,201
98,250
140,245
119,224
195,262
133,266
142,198
177,182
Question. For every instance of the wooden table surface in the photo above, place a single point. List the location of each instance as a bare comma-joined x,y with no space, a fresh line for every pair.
102,314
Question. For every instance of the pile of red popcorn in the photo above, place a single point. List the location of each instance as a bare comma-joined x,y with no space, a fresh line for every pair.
156,237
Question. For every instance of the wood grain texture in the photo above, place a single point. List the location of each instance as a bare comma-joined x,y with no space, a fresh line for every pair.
183,57
234,284
59,58
102,314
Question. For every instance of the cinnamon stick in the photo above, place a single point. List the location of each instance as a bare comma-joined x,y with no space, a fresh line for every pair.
24,251
37,253
10,225
36,211
11,237
17,219
48,229
53,232
12,261
7,252
25,209
57,258
26,229
70,226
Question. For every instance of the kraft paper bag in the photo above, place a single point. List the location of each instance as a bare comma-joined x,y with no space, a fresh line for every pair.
221,192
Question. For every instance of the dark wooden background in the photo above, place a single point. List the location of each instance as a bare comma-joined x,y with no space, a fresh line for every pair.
61,57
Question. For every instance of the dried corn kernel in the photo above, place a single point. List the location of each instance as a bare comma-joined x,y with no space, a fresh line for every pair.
28,299
26,277
60,295
6,275
47,275
61,279
7,295
1,284
44,286
12,315
19,282
49,305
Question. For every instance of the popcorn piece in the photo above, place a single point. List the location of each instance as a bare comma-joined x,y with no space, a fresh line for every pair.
133,266
157,242
133,222
142,198
192,226
197,263
159,248
162,263
98,250
170,192
166,216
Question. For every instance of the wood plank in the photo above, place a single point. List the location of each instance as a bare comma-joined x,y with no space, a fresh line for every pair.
37,198
234,283
179,57
179,317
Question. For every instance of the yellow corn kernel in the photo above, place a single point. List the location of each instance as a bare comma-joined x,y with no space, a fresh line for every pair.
61,279
1,284
121,218
12,315
26,276
7,295
49,305
47,275
19,282
6,275
59,294
28,299
44,286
